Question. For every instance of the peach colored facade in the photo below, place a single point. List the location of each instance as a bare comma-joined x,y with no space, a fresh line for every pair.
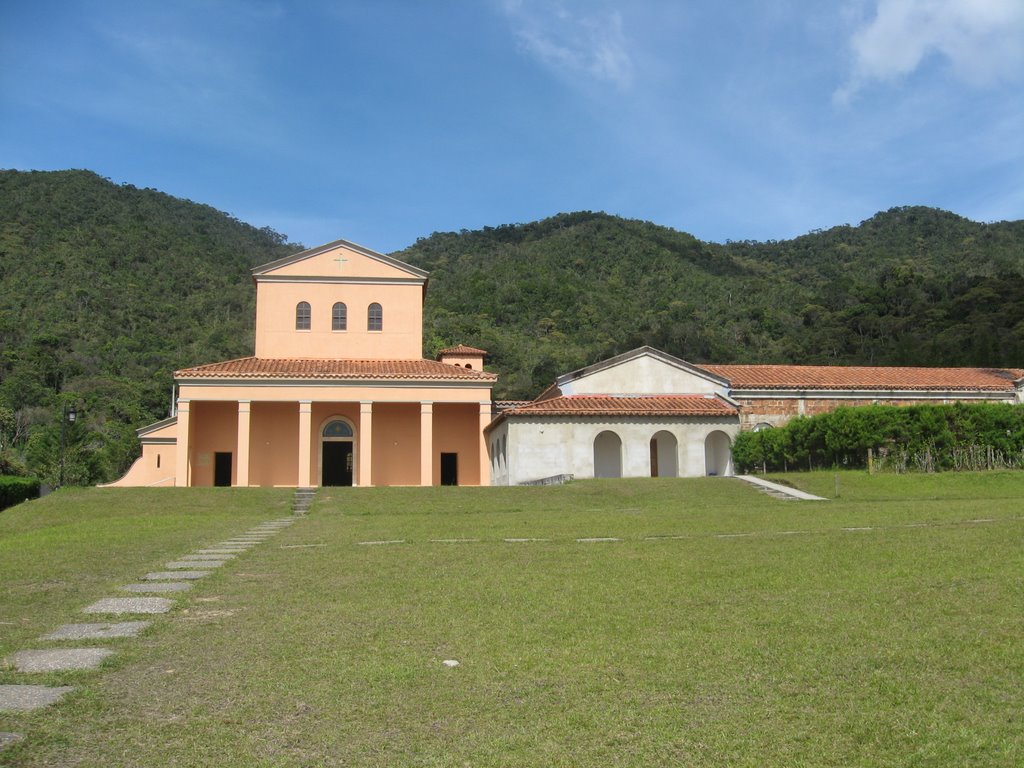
337,392
156,466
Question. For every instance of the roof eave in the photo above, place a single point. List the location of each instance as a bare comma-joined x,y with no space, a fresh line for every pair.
310,252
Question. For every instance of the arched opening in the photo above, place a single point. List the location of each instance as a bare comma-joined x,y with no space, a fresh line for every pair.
717,454
664,455
303,315
375,317
337,452
607,455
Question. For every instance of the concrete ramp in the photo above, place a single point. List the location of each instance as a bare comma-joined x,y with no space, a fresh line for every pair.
775,490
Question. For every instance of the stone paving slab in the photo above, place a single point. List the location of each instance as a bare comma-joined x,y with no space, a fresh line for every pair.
238,546
158,586
223,552
25,698
171,575
205,555
194,564
97,631
7,739
59,659
130,605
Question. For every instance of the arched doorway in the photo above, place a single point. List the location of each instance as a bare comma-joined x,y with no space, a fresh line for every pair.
664,455
717,454
337,452
607,455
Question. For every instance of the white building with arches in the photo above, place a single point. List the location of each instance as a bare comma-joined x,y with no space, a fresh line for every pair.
644,413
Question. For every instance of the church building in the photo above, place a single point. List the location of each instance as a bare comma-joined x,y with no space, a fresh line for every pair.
337,392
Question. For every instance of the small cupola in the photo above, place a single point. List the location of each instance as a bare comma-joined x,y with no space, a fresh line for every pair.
463,357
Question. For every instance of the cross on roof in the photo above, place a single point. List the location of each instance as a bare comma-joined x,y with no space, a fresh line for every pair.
341,262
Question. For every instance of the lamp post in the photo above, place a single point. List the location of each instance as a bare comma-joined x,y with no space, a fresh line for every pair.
68,417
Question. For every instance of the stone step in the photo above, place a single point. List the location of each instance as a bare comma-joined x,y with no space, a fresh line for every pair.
25,698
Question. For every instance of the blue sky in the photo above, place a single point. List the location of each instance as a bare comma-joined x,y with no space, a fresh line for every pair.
383,121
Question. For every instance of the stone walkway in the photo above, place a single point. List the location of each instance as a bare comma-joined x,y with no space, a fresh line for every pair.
178,577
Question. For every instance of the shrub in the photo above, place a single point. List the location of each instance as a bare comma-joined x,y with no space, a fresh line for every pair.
14,490
927,438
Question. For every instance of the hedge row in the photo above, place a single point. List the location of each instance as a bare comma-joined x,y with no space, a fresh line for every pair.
14,490
921,437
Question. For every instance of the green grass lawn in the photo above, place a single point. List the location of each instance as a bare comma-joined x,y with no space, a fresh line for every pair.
881,628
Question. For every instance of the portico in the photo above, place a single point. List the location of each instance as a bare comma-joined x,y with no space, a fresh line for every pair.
332,434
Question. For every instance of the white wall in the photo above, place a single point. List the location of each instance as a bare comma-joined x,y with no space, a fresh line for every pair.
642,376
545,447
497,449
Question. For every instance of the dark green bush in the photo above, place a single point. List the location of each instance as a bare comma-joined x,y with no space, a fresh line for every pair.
930,438
14,490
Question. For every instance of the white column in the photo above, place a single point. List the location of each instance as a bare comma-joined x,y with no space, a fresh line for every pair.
426,442
242,447
181,449
305,430
365,443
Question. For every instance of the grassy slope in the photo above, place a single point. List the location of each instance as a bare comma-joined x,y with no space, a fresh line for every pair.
62,552
892,646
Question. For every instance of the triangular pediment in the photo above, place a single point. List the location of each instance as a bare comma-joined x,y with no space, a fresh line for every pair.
340,260
645,371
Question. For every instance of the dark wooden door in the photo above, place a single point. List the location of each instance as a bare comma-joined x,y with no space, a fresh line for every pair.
222,470
449,469
337,468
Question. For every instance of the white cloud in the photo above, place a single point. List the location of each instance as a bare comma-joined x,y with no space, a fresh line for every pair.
982,41
590,44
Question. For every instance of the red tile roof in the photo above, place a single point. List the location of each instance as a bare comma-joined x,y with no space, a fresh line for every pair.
863,377
640,405
264,368
462,349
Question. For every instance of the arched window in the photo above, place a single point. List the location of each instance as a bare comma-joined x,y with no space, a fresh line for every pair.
337,429
375,318
302,315
339,317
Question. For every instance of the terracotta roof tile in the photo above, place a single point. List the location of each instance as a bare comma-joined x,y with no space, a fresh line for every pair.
640,405
863,377
462,349
265,368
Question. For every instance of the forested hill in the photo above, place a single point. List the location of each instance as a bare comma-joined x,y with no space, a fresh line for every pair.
911,286
107,289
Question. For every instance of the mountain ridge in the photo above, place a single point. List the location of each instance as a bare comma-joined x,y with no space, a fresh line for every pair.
109,288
